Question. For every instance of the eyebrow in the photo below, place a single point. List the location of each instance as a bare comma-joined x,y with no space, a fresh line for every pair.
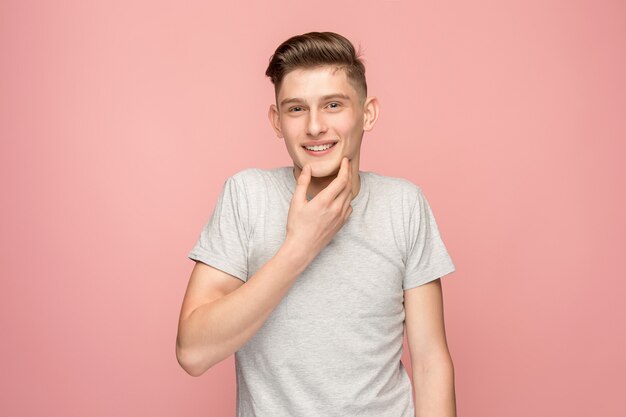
324,98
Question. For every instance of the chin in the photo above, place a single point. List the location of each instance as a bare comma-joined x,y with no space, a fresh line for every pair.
325,170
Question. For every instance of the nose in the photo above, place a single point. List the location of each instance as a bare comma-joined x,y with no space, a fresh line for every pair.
315,123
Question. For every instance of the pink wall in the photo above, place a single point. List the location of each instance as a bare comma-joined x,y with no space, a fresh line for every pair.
120,121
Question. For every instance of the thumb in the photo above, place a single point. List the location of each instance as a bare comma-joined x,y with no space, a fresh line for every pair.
303,183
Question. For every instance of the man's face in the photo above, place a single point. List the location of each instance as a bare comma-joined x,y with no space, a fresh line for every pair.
317,106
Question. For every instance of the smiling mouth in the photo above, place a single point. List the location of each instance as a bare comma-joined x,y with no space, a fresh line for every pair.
319,148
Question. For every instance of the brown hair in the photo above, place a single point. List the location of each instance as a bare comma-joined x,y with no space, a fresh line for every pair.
316,49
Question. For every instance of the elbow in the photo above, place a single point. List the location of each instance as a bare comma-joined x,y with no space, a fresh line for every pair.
438,363
191,362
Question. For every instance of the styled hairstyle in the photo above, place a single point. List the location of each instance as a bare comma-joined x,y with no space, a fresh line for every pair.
315,49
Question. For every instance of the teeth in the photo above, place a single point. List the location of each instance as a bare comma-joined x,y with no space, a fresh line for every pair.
319,148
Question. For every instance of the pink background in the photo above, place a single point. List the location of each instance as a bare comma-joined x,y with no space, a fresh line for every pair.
120,122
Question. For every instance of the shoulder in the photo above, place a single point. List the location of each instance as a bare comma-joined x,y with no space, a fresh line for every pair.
393,188
243,175
256,174
255,182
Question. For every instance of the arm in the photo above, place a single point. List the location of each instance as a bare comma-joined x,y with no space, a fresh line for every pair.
433,371
220,314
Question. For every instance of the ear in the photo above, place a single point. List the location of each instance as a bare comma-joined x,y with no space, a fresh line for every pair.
370,113
274,118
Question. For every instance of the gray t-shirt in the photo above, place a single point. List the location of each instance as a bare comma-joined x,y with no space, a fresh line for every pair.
332,346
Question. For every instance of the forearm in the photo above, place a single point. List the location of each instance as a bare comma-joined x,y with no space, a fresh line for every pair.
215,330
433,384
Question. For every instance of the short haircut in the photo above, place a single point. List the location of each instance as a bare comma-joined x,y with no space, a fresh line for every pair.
316,49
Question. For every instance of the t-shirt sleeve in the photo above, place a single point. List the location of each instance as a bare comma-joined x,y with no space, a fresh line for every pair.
428,258
223,242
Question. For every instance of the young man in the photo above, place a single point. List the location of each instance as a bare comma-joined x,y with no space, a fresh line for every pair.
335,261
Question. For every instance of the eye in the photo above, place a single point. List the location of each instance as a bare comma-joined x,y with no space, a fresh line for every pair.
334,105
295,109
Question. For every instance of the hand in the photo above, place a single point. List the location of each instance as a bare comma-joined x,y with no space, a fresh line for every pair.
311,225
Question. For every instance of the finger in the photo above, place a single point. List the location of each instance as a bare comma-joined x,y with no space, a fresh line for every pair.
339,183
344,198
345,194
348,183
348,213
304,179
348,198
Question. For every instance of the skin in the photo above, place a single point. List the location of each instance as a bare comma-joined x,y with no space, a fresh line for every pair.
308,116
